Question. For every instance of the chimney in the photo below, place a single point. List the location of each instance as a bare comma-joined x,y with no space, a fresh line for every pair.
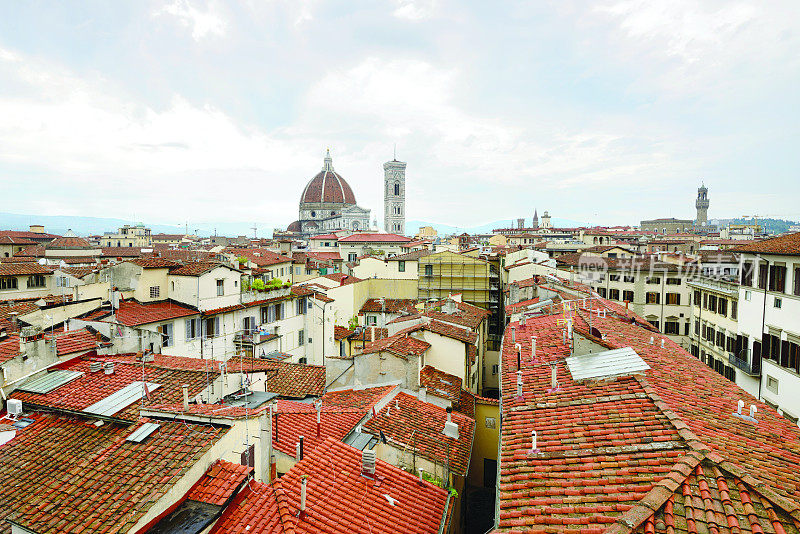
423,394
740,406
265,424
450,428
318,405
368,461
12,317
108,368
753,411
662,342
519,356
533,349
519,385
300,448
513,335
186,396
303,484
95,366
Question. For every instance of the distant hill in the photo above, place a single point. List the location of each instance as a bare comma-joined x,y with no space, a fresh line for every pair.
771,226
445,229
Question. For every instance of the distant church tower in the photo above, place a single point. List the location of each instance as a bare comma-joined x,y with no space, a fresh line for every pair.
702,206
535,222
394,196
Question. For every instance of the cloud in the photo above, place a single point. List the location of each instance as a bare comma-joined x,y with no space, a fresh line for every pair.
203,23
415,9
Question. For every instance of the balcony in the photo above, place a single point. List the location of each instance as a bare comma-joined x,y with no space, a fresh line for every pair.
750,368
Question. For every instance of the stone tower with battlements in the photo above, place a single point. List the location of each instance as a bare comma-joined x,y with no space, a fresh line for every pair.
702,206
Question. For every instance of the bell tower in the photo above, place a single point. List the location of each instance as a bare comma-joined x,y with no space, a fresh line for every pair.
702,206
394,196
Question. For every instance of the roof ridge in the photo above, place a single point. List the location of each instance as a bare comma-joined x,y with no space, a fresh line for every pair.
284,513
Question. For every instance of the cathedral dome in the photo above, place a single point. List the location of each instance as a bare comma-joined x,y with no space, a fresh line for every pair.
328,187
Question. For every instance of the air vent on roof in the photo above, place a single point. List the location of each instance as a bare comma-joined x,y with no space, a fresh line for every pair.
368,460
95,366
50,381
450,428
617,362
108,368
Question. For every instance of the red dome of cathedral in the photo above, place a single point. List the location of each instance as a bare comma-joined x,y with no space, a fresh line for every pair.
328,187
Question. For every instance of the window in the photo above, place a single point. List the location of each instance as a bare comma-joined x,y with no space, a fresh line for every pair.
211,327
674,299
613,294
301,306
778,302
401,266
613,277
249,324
748,295
602,292
192,328
629,279
734,309
697,298
722,306
747,274
62,281
796,280
652,297
763,271
278,311
396,188
155,292
490,422
352,256
36,280
495,369
672,327
654,280
673,281
721,338
8,282
697,328
772,384
220,287
166,335
301,337
627,295
429,270
372,320
777,278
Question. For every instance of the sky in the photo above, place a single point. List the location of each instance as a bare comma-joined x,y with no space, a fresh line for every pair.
607,112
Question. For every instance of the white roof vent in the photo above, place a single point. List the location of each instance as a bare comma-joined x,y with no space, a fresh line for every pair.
450,428
95,366
368,461
617,362
14,407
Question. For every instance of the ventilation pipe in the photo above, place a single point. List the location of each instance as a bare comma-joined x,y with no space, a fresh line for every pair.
533,349
186,397
450,428
662,342
534,448
753,411
740,407
652,340
519,356
108,368
265,422
513,334
318,406
519,384
368,460
303,484
300,449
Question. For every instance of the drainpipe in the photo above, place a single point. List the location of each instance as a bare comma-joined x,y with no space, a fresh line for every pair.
763,322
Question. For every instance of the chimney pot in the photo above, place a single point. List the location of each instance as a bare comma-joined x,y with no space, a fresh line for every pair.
740,406
303,484
186,396
753,411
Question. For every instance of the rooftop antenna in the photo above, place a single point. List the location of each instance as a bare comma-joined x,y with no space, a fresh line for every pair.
255,230
394,156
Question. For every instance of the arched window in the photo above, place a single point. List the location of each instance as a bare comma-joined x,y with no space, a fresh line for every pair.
313,213
397,188
355,225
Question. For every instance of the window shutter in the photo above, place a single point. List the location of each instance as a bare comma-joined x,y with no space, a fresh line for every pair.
216,326
189,329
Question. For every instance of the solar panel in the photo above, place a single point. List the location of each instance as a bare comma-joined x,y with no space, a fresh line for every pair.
120,399
50,381
608,363
138,435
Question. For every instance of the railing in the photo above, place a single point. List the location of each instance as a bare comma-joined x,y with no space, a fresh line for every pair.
751,368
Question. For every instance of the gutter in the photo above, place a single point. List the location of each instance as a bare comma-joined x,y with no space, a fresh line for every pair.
443,522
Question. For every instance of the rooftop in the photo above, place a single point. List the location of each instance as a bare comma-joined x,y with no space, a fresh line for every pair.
374,238
134,313
788,245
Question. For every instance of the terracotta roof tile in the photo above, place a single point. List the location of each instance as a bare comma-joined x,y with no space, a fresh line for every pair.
389,306
339,500
24,269
221,481
135,313
413,423
786,244
399,344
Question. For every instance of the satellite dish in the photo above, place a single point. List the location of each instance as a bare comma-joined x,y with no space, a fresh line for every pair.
42,261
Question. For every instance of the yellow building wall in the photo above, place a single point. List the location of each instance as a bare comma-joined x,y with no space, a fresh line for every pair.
486,441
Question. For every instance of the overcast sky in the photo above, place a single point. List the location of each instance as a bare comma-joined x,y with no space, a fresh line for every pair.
606,112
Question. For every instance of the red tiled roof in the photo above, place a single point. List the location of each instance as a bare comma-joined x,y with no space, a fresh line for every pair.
416,424
340,332
24,234
64,474
155,263
23,269
786,244
410,256
13,240
323,237
388,306
399,344
295,380
69,243
612,451
221,481
92,387
343,279
197,268
21,308
9,348
440,383
465,314
134,313
75,341
375,238
34,251
511,308
438,327
216,411
261,256
122,252
338,500
78,272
